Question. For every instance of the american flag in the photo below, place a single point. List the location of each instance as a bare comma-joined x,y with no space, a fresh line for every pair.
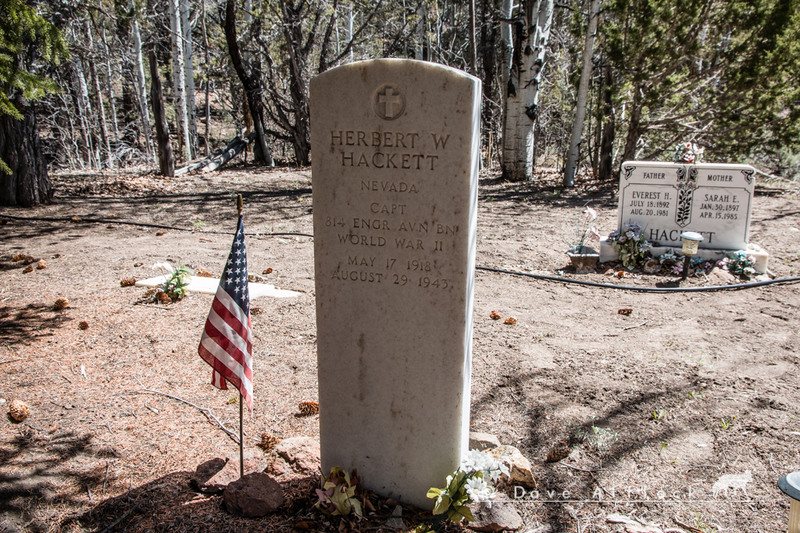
226,343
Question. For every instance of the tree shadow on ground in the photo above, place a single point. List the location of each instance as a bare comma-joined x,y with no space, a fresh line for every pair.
624,413
38,474
28,324
546,192
169,503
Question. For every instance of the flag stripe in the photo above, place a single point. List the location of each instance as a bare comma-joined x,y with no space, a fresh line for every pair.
226,357
222,333
234,317
231,373
227,339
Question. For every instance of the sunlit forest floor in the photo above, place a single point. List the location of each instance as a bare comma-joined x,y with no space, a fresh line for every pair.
653,406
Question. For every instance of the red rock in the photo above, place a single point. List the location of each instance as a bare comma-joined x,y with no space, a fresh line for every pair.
501,516
295,456
253,495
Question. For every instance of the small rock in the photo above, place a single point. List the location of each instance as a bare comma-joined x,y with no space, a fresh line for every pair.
519,466
482,441
41,264
719,276
396,520
253,495
295,455
501,516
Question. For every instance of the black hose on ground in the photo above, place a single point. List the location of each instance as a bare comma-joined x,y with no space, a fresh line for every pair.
737,286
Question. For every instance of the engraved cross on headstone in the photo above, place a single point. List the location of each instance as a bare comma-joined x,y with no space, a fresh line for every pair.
389,98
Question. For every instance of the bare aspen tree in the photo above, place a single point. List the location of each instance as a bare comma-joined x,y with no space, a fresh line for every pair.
531,34
112,100
179,80
188,74
84,109
206,67
583,92
98,97
141,88
166,160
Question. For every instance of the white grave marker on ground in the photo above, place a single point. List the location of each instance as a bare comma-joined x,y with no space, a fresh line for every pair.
395,147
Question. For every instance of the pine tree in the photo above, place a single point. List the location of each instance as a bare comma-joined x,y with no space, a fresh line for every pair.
26,41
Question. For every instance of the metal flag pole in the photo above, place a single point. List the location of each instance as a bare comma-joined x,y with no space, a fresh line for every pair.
240,208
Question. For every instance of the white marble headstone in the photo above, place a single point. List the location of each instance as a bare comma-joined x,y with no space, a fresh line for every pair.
667,199
395,147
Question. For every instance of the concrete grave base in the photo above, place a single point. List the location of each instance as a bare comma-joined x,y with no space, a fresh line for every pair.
209,286
760,256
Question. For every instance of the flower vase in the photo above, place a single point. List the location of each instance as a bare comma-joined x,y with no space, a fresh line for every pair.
583,259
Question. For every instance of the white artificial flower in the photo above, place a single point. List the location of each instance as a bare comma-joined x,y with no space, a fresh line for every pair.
480,491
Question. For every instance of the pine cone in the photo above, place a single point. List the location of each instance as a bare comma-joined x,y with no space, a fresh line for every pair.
127,282
18,410
308,408
558,452
268,442
60,304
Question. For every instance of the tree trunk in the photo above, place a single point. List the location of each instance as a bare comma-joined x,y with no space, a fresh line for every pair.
179,80
188,74
634,126
506,57
141,87
98,98
28,183
292,29
532,31
473,46
605,168
206,66
82,105
166,161
252,88
583,92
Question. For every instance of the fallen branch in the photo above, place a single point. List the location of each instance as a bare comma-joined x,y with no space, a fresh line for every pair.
219,156
11,360
687,526
207,412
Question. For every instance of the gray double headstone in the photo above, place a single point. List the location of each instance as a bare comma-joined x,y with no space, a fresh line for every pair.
395,147
667,199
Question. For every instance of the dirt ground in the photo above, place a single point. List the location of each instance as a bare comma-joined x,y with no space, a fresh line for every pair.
656,405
